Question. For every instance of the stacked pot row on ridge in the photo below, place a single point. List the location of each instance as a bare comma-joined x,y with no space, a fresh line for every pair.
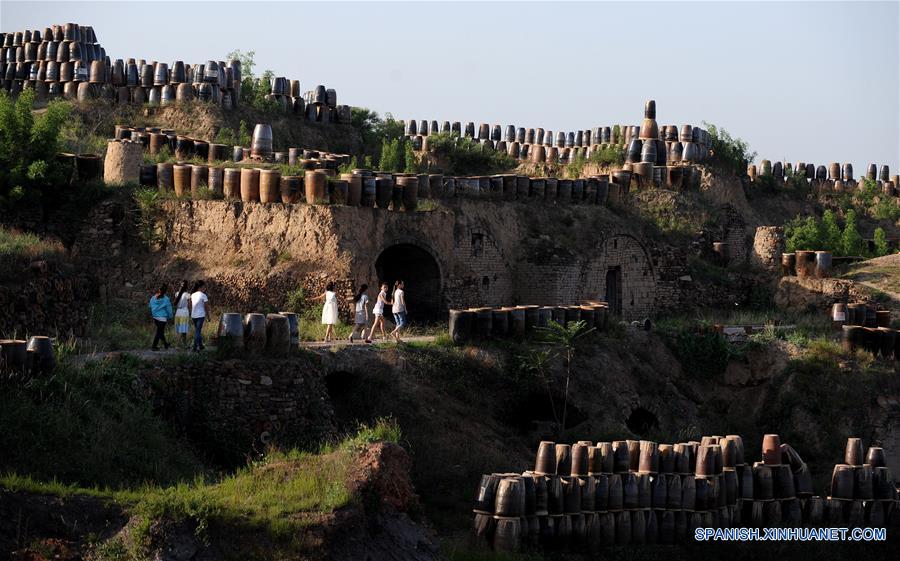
75,70
518,321
863,492
26,56
807,264
585,497
833,178
34,357
69,63
156,139
694,141
362,187
318,104
274,335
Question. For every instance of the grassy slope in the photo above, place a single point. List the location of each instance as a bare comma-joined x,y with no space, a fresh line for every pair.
87,431
881,276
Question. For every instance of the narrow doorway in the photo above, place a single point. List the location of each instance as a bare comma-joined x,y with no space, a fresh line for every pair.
614,290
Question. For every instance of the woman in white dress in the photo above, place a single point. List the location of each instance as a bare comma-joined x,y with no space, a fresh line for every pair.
329,311
183,313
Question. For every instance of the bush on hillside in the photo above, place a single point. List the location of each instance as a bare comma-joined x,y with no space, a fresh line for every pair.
464,156
732,154
254,89
610,155
825,235
852,242
393,155
374,130
881,243
28,149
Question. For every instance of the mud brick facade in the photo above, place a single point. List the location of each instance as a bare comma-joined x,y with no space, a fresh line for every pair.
464,253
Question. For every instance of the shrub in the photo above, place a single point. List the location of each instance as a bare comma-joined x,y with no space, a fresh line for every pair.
729,153
146,213
254,90
374,130
611,155
881,243
464,156
802,234
830,233
886,209
703,355
411,162
851,242
226,135
576,166
392,155
28,148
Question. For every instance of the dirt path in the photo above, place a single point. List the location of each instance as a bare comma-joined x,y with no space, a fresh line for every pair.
149,355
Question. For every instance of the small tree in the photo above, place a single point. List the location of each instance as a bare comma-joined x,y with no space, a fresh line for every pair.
28,147
730,153
803,234
411,163
881,243
830,233
852,242
563,340
392,155
254,90
537,363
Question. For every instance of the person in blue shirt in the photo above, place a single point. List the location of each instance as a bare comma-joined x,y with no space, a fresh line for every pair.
161,311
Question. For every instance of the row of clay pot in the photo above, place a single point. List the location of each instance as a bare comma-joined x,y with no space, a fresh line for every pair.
834,172
517,321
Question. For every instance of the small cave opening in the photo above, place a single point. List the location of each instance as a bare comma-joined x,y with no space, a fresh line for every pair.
641,420
421,275
339,384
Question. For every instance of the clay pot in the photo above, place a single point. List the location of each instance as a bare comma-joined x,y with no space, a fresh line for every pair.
843,482
545,463
563,451
249,185
875,457
771,449
853,453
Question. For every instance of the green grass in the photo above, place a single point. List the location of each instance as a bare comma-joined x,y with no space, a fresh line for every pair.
123,327
91,425
273,494
17,246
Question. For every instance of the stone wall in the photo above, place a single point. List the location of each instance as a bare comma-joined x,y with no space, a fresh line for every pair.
44,298
768,245
804,293
235,406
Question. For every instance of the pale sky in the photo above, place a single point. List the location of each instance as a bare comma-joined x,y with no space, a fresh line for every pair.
810,81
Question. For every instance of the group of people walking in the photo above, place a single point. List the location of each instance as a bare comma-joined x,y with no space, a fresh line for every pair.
397,302
191,307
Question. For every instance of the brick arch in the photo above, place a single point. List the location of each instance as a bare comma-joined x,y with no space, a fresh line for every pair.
624,260
420,267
